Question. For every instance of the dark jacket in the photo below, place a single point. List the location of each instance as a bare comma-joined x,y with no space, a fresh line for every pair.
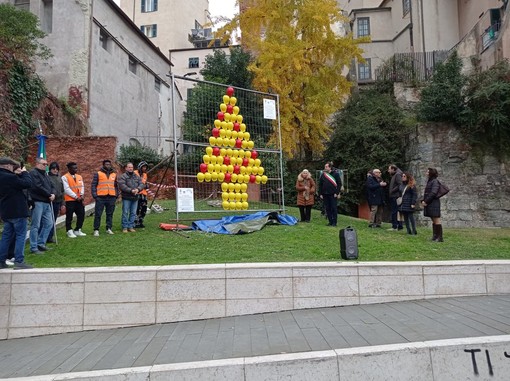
58,185
326,187
95,181
127,182
433,208
375,191
13,201
42,187
395,183
409,197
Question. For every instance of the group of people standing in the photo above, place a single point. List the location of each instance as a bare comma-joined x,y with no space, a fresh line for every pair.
403,199
42,195
401,192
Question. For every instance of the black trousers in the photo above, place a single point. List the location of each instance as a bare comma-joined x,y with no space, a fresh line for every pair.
306,212
330,204
75,207
102,203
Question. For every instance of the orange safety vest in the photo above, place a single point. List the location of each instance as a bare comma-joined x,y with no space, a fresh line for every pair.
106,184
75,185
144,181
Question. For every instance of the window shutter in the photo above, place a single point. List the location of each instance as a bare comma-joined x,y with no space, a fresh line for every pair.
154,30
155,5
143,5
142,28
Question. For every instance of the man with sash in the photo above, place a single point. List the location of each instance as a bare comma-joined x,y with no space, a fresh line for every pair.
330,186
74,189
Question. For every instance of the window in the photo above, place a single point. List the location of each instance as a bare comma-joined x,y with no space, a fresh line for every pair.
157,84
103,39
363,26
364,70
47,16
132,64
150,30
149,5
194,62
22,4
406,6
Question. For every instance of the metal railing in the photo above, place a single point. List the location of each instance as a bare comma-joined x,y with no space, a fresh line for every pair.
410,67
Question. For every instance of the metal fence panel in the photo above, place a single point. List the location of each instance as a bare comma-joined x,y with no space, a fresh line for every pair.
229,149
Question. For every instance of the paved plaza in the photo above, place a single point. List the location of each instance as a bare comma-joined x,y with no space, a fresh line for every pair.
259,334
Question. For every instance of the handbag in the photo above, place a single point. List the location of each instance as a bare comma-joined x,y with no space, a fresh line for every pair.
443,189
399,199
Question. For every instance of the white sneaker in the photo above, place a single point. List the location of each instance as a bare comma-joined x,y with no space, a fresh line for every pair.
96,233
109,231
70,234
79,233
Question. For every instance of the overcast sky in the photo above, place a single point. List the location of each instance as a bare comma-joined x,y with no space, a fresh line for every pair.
226,8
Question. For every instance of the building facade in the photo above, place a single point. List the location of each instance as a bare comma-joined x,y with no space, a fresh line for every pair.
169,23
418,26
121,74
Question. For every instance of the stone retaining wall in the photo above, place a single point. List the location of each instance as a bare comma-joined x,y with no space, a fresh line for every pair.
46,301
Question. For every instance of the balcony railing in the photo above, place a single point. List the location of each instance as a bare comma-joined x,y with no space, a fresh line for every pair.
410,68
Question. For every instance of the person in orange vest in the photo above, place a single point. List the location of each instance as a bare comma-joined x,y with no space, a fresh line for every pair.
105,192
141,209
74,189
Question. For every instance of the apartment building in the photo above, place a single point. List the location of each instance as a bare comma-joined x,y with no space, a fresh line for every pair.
120,72
171,24
423,27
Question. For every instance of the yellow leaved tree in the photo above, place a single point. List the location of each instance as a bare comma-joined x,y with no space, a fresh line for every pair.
302,51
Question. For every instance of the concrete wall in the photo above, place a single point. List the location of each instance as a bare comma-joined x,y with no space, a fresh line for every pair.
46,301
123,103
479,187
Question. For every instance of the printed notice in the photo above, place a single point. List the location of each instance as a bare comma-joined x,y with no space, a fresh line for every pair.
185,202
269,109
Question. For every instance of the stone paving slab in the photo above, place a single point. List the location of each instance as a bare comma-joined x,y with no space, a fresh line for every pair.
257,335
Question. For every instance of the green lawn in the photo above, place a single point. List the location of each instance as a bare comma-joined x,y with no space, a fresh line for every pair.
312,242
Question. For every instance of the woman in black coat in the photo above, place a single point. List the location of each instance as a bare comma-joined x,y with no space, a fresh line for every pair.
432,204
408,205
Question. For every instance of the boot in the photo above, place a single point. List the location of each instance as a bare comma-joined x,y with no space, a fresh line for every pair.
434,232
439,237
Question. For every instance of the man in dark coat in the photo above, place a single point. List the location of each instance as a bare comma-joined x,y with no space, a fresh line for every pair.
330,186
394,193
130,184
375,195
42,194
13,211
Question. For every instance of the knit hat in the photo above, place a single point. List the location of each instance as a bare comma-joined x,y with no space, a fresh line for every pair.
54,165
4,160
142,164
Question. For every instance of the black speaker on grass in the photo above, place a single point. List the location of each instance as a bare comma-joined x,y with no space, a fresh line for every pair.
348,243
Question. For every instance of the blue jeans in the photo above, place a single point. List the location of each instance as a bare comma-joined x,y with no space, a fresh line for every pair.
129,213
14,228
42,218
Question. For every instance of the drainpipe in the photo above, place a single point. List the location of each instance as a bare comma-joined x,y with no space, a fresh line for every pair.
411,35
423,40
89,63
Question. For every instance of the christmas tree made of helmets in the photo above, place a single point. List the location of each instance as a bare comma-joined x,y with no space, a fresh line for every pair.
230,157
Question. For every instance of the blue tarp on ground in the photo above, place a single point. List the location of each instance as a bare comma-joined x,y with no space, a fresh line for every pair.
243,224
